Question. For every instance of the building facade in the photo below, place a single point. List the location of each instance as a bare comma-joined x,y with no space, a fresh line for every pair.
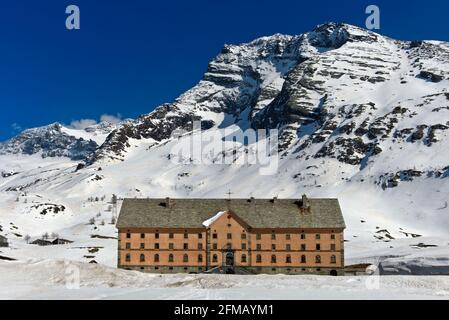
232,236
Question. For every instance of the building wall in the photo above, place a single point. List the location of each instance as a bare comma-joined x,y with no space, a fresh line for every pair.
230,233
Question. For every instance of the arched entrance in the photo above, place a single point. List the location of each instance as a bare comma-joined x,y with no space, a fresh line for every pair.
229,258
334,273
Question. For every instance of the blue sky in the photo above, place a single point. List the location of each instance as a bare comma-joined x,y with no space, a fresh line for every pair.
133,55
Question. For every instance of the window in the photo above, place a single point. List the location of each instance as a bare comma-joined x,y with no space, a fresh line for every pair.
259,246
171,246
215,246
156,235
303,259
243,246
318,259
229,235
332,247
142,236
288,247
258,236
214,236
288,259
317,236
318,247
171,235
128,257
128,245
333,259
200,246
243,258
303,236
186,246
142,258
273,247
186,236
332,236
128,235
200,258
273,236
288,236
171,258
156,258
229,246
243,236
258,258
142,246
303,247
185,258
156,246
214,258
200,236
273,259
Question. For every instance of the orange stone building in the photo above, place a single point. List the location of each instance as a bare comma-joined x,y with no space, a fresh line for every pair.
252,236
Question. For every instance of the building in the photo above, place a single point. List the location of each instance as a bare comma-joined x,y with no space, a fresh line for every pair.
270,236
42,242
3,242
60,241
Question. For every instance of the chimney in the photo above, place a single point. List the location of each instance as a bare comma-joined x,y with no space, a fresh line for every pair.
168,202
305,204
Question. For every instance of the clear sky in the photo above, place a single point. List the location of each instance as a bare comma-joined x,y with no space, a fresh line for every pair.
132,55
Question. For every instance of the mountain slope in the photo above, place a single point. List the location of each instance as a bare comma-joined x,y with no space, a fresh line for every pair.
361,117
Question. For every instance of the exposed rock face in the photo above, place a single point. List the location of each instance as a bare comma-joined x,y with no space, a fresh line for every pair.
49,141
338,92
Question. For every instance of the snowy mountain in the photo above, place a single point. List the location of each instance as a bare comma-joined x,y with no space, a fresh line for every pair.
361,117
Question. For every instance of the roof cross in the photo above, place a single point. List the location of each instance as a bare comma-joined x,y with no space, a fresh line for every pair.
229,194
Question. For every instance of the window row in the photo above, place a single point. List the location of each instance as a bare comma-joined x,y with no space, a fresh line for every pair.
171,246
274,236
170,235
171,258
288,247
303,259
243,258
243,236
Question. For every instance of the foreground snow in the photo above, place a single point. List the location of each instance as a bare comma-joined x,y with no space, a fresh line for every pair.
47,279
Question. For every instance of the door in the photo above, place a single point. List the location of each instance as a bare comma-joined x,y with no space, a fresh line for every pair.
230,259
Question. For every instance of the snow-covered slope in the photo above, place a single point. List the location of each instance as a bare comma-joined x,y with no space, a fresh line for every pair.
362,117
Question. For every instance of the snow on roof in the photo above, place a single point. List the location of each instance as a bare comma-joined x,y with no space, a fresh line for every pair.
210,221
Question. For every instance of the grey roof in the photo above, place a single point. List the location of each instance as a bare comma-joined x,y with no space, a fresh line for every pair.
3,239
257,213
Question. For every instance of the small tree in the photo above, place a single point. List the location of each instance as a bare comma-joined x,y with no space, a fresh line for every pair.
98,215
114,199
45,236
113,220
92,221
27,238
102,222
54,235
